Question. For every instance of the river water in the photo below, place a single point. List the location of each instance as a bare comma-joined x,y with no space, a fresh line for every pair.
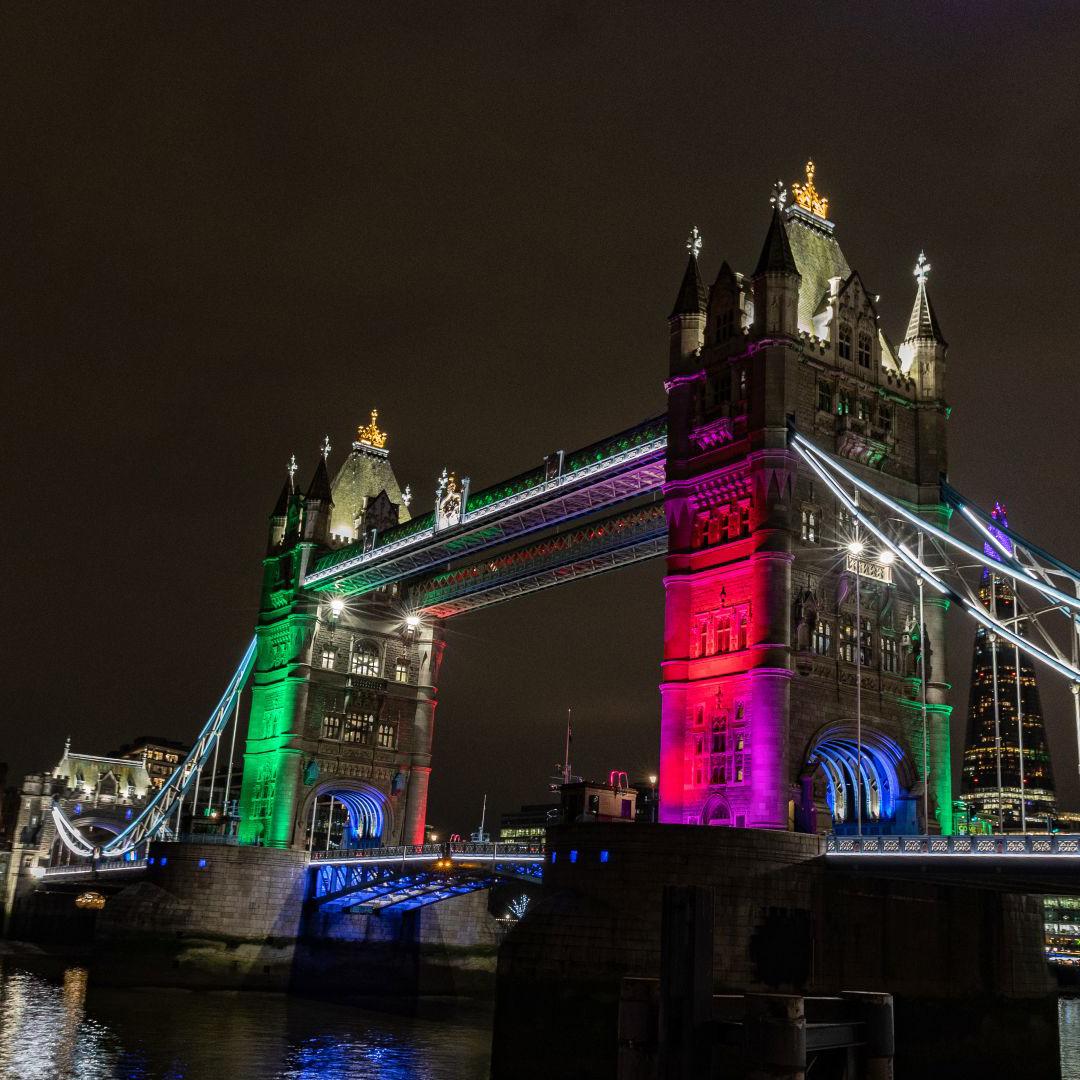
58,1027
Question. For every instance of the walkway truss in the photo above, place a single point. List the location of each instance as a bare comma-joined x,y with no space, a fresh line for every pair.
1046,627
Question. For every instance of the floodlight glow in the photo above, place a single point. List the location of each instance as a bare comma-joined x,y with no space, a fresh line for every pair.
337,605
886,557
856,547
412,622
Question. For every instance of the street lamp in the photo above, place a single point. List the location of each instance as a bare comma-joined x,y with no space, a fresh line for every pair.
337,606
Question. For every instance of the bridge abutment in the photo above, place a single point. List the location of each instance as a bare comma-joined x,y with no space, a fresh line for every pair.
965,964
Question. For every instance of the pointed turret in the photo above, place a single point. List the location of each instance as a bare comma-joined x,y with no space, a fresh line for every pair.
776,278
923,324
318,502
776,256
687,319
922,358
279,516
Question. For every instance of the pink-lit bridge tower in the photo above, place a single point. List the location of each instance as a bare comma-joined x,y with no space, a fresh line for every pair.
762,724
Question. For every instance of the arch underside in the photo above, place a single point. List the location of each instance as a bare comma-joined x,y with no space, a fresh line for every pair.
368,813
870,767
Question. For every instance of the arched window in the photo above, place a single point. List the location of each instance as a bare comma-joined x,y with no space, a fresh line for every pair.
717,738
365,660
843,342
401,669
864,349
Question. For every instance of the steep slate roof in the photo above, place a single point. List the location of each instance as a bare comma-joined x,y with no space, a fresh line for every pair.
363,474
923,322
818,258
320,483
692,298
776,253
281,507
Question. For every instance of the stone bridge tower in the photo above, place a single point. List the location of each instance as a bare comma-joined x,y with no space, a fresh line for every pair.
343,687
758,688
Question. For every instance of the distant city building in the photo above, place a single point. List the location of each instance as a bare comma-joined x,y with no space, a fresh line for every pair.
162,756
591,800
528,825
1062,915
648,799
99,795
991,782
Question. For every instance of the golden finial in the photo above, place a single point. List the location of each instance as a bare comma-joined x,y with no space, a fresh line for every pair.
808,196
371,435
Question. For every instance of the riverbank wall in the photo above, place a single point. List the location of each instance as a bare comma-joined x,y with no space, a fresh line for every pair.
228,917
965,965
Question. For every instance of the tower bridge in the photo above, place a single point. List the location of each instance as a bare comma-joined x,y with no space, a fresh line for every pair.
795,486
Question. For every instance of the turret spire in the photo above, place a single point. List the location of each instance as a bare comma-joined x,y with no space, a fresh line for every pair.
692,298
776,256
923,323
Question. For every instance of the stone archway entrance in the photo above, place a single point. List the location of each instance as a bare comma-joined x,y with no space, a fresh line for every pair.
848,770
344,814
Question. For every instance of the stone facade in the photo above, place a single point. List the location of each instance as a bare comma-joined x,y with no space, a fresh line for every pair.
343,689
759,672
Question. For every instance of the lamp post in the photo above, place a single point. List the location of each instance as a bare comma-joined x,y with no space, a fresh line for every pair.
856,549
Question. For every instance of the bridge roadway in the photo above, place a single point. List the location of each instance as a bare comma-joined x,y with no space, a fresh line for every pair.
412,876
1031,863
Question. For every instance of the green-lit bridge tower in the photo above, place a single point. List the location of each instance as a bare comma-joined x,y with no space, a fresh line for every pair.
343,694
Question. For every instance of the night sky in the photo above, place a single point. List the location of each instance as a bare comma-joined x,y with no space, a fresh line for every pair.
229,229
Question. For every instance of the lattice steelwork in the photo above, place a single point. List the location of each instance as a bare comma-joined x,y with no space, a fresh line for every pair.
618,540
614,476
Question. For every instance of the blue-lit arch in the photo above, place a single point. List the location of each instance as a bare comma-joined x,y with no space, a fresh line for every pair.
367,809
873,766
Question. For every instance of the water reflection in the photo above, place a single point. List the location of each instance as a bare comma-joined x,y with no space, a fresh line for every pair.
61,1029
1069,1036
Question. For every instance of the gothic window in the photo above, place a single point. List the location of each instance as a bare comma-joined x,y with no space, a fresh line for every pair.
716,775
866,633
843,342
739,775
843,403
809,524
863,407
717,520
401,669
717,738
697,777
740,743
365,660
328,656
889,655
744,383
699,716
822,638
885,417
331,727
864,349
726,324
387,736
847,640
723,634
358,728
824,397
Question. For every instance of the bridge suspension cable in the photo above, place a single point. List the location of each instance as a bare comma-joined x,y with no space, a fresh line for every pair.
154,817
833,474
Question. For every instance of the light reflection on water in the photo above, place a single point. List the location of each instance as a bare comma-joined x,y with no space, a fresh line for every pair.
61,1029
1069,1036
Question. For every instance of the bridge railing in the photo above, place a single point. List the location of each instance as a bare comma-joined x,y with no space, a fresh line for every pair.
88,869
1008,845
422,852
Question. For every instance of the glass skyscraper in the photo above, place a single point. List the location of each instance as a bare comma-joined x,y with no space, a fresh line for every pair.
992,778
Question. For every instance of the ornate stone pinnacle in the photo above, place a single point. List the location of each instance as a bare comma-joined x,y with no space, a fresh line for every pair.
808,196
922,269
693,242
326,447
371,435
779,195
291,467
406,497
